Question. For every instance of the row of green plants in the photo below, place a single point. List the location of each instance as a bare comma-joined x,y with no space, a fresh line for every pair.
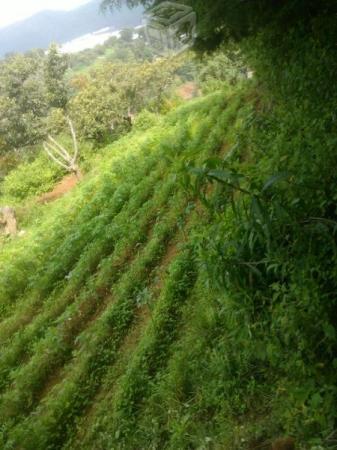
119,405
100,261
75,301
256,355
97,347
73,216
115,425
243,355
188,398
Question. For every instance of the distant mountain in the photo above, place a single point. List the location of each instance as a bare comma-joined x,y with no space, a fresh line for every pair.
62,26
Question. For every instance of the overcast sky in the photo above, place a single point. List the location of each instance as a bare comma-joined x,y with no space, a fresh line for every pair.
13,10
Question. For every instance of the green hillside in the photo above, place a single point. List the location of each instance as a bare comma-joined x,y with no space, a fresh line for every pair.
183,294
113,336
110,273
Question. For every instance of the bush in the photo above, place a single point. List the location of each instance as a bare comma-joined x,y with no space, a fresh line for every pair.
30,179
221,69
145,120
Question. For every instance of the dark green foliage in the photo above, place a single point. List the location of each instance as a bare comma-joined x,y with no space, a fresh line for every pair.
55,67
30,86
272,244
221,20
23,101
109,93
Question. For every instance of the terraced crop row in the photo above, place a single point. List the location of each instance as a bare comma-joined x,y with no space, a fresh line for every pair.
65,379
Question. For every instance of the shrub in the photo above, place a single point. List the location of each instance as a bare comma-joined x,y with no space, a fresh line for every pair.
145,120
30,179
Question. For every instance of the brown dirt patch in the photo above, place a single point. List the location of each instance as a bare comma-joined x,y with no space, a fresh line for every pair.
63,187
188,91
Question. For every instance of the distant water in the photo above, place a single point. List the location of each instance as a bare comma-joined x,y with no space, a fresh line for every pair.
89,40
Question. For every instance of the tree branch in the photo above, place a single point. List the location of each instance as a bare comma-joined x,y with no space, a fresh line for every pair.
73,135
61,150
60,155
50,154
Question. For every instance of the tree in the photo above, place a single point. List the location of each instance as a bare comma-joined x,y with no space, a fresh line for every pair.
23,101
220,20
31,85
221,68
55,67
114,92
95,109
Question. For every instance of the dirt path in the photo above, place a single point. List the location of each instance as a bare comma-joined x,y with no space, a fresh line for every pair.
63,187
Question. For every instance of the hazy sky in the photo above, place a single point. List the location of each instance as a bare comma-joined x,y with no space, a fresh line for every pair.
13,10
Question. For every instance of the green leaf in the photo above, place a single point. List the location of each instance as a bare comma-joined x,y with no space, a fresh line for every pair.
225,176
329,331
275,179
316,400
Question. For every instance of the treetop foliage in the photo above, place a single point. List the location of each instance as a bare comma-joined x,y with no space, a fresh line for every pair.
30,85
221,20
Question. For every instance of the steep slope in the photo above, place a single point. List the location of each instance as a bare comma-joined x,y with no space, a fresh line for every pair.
65,317
119,328
40,30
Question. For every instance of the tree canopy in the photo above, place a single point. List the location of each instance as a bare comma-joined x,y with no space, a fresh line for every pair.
222,19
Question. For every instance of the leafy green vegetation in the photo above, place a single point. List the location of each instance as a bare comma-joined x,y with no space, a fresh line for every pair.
30,179
131,46
183,295
91,276
25,96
